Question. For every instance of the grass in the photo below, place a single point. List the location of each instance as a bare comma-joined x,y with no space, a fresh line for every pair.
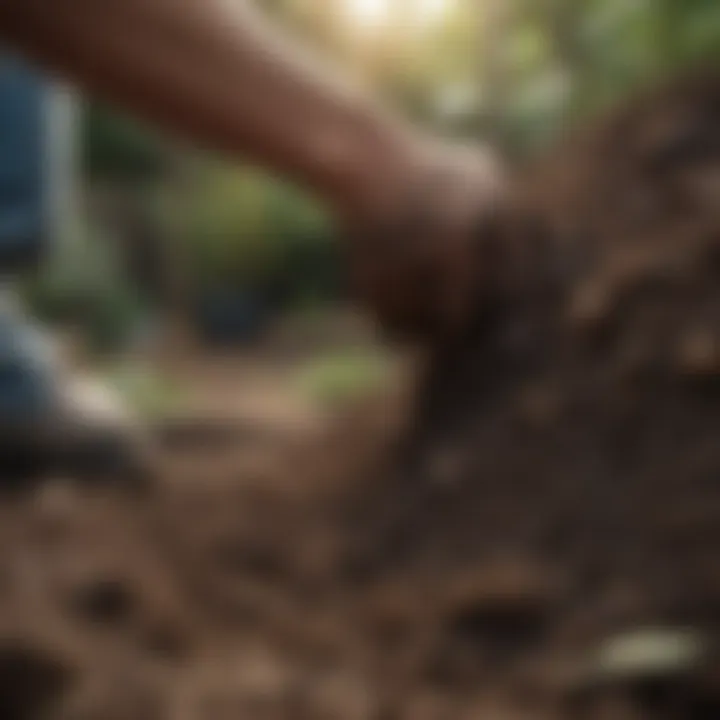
344,376
148,393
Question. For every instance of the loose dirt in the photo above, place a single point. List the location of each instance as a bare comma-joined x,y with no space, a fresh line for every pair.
555,487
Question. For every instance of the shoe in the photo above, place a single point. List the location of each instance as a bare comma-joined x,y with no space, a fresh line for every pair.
54,424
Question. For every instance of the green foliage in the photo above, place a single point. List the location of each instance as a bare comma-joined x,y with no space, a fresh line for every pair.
514,70
118,148
344,376
150,394
113,318
239,227
602,49
81,286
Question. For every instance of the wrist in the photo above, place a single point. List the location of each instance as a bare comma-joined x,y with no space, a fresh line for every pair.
381,164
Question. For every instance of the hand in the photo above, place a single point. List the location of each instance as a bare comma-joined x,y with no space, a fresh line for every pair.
417,252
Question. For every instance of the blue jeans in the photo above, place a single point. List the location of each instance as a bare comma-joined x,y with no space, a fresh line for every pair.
23,165
28,365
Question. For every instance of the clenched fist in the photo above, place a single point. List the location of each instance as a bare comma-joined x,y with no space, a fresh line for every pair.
417,253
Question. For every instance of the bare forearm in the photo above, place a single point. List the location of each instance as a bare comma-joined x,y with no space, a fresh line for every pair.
214,71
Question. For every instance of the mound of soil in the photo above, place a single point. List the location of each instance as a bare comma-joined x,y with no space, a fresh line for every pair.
540,543
574,430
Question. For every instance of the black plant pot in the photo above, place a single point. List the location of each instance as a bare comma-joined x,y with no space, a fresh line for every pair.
230,317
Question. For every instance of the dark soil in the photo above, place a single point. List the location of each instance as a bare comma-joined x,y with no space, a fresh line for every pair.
560,484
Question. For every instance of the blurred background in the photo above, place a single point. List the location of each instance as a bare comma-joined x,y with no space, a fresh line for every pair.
152,239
